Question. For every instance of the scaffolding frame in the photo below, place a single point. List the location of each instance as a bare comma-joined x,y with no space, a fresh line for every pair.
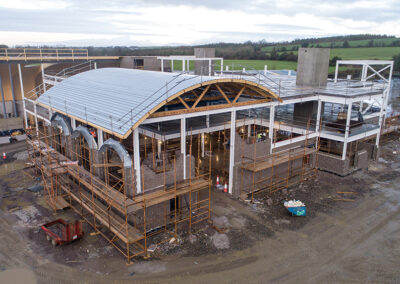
105,205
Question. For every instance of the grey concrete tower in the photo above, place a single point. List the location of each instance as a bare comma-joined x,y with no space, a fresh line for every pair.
201,67
312,67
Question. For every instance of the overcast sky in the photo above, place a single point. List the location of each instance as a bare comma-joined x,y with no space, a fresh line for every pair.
158,22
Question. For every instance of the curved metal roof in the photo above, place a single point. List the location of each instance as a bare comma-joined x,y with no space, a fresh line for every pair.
117,99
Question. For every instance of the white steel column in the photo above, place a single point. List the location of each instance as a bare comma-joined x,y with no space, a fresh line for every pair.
222,65
162,65
248,131
183,144
317,123
100,138
346,134
73,123
95,65
23,95
202,145
232,150
209,67
336,71
159,142
172,65
36,121
183,65
188,65
136,160
44,84
271,126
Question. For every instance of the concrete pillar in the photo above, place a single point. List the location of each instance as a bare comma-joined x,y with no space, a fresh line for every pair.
136,160
183,144
346,134
3,99
232,150
12,91
23,95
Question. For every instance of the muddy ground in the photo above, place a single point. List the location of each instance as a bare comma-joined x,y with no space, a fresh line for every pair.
351,234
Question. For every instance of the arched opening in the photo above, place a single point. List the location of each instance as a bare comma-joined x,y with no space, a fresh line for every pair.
116,164
84,144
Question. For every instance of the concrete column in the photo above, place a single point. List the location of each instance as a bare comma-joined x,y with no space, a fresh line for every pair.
271,126
136,160
100,138
346,134
202,145
23,95
183,144
232,150
3,99
12,90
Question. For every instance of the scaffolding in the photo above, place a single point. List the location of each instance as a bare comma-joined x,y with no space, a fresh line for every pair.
281,168
98,191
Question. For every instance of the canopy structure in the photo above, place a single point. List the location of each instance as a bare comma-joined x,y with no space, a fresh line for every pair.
118,100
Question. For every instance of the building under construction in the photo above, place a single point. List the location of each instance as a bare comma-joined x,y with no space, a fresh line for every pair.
137,153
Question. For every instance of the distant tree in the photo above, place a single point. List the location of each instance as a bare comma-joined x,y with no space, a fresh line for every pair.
3,46
304,44
371,43
346,44
332,62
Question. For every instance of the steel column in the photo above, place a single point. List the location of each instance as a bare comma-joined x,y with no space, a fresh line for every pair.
136,160
3,99
183,144
346,134
232,150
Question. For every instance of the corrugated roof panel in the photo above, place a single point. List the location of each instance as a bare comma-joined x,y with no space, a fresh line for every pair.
116,98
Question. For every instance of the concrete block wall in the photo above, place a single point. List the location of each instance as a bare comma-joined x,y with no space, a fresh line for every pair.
334,164
153,180
11,123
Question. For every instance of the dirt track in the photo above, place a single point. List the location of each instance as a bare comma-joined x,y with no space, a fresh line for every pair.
340,241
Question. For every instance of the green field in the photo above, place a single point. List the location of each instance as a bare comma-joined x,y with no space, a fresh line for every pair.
365,52
352,43
248,64
259,64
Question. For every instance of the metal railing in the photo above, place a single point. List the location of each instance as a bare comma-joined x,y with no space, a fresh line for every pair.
42,53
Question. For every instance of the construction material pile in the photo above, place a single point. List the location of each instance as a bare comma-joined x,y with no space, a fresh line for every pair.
293,203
